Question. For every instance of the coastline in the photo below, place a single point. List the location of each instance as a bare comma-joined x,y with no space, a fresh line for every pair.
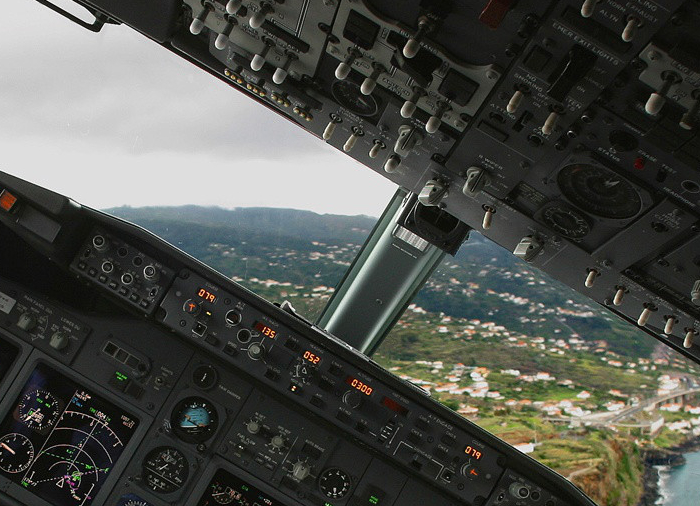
657,464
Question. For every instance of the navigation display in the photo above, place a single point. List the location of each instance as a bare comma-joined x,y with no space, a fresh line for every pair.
226,488
60,441
8,354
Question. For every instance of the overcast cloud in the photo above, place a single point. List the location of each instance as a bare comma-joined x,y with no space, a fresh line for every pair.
113,118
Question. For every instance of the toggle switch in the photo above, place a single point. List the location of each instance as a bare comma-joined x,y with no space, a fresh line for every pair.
515,101
695,293
630,31
670,323
689,338
376,148
591,277
331,126
392,164
352,140
197,24
588,8
258,61
645,314
434,122
410,50
688,120
619,295
343,69
370,82
550,123
409,106
282,72
528,248
222,39
488,217
257,19
658,98
233,5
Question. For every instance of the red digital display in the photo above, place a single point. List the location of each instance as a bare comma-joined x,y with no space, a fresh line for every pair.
394,406
207,295
359,385
312,357
473,452
265,330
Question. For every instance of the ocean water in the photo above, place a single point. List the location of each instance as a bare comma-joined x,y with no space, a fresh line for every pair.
680,486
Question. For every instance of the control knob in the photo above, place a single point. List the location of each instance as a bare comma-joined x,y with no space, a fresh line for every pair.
58,341
27,322
253,427
352,399
301,470
277,442
256,351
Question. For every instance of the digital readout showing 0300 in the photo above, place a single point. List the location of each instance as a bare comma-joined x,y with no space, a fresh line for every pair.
359,385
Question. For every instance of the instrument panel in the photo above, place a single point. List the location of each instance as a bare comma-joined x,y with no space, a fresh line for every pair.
214,396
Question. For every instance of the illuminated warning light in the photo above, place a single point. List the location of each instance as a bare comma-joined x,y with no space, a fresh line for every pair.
639,163
7,201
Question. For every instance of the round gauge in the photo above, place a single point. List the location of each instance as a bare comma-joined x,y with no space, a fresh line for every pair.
303,371
223,494
194,420
334,483
16,453
348,94
38,409
132,500
565,221
165,470
599,191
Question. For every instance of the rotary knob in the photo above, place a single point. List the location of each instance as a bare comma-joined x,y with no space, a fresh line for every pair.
253,427
277,442
256,351
27,322
352,399
301,470
58,341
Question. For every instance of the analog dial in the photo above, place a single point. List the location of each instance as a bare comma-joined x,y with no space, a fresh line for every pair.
348,95
165,470
335,483
194,420
303,371
565,221
16,453
38,409
599,191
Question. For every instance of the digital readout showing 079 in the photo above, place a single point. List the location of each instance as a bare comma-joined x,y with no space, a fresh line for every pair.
206,295
359,385
473,452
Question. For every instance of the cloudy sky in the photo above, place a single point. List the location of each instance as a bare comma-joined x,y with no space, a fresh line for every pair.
112,118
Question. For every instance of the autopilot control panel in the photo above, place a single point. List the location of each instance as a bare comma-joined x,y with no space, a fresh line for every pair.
133,375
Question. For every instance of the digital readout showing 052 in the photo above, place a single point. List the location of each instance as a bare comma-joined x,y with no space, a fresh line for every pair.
359,385
309,356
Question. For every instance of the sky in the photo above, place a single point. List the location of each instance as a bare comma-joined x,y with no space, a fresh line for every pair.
113,119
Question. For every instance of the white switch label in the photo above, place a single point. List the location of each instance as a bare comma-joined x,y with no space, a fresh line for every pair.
6,303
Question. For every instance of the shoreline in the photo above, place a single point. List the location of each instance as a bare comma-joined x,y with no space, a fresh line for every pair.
657,464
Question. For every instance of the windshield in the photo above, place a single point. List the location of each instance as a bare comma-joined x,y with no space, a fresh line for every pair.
121,124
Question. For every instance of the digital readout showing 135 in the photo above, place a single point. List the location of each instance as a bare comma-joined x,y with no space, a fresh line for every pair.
265,330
